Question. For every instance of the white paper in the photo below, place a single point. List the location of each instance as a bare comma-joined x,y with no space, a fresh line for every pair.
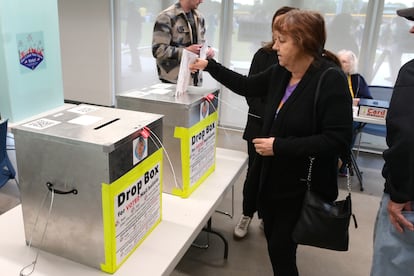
162,85
41,124
83,109
138,93
159,91
203,51
184,75
85,120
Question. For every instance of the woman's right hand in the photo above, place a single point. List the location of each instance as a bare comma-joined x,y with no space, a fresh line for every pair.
264,146
199,64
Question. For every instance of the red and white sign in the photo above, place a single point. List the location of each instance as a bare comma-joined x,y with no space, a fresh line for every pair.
372,112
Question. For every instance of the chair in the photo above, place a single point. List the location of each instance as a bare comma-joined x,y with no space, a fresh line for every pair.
7,171
382,93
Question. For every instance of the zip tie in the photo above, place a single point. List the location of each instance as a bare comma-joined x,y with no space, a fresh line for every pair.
34,262
166,153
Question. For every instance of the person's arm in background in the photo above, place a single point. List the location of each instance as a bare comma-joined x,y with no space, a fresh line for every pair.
259,64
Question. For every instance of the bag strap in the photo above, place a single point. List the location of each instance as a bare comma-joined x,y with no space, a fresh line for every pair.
315,100
312,158
309,178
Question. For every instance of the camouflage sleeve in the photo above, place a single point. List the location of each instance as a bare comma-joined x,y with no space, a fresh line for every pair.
162,40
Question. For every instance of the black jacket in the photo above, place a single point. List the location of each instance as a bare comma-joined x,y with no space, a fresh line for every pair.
398,169
281,175
263,59
360,87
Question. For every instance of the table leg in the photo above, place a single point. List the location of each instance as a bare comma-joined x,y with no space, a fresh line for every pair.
208,228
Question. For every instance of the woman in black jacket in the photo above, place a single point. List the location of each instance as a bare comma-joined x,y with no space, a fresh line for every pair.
292,131
263,59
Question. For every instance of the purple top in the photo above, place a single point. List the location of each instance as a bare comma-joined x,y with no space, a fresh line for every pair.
288,92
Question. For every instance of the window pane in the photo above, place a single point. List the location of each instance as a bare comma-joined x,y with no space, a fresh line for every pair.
346,20
395,45
252,26
133,39
135,63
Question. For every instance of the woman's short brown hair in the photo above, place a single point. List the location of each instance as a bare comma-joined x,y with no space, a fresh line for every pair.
307,28
268,46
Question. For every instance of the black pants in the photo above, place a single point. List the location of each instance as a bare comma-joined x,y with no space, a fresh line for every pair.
250,189
279,219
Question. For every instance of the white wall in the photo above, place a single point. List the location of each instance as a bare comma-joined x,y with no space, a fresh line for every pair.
86,46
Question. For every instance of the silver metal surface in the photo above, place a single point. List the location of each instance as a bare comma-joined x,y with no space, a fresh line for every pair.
81,157
182,111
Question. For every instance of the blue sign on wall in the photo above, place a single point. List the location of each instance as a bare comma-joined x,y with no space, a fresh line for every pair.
31,49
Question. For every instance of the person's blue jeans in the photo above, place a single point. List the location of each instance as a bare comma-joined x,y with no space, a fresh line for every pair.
393,251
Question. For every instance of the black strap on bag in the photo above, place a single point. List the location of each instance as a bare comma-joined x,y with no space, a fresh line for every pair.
314,129
323,224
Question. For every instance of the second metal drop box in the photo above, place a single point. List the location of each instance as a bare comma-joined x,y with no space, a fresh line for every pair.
189,129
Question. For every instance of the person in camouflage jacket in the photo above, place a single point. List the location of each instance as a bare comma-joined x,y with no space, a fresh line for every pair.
179,27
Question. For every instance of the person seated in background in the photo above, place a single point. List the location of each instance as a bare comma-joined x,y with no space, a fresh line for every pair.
357,84
358,88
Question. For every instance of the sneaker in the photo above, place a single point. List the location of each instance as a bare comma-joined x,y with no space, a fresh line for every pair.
240,231
342,172
261,225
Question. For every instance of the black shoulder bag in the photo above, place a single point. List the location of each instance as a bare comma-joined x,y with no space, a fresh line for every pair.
324,224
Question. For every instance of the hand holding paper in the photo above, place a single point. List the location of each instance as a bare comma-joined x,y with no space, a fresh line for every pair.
184,75
198,64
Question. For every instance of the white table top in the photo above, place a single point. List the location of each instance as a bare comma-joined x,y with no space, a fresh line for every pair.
159,253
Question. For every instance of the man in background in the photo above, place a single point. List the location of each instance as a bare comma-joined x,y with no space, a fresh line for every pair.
394,229
179,27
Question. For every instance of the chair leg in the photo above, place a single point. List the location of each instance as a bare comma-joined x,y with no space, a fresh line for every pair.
355,169
359,144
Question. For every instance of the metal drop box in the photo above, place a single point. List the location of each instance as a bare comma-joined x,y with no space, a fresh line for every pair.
82,163
189,129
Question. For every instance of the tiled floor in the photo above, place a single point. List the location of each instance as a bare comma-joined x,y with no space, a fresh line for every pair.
249,256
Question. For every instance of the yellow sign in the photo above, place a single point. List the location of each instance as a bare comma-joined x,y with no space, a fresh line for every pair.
131,208
198,153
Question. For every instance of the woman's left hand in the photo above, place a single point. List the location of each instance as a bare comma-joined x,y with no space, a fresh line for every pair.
264,146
